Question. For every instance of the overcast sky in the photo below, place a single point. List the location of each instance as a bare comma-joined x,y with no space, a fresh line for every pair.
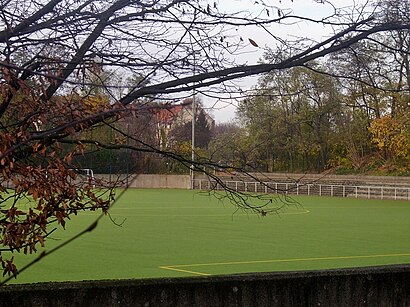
225,111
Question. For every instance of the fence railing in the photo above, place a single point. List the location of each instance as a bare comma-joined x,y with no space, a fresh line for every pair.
314,189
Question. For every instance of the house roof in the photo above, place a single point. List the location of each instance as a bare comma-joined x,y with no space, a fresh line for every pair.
167,115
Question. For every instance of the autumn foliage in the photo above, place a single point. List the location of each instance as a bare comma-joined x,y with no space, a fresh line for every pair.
40,187
391,135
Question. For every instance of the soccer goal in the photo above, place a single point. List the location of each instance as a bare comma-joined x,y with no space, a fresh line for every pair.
86,175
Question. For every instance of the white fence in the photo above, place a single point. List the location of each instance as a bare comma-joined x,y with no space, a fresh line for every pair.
318,189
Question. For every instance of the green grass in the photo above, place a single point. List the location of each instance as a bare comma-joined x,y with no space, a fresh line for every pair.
174,233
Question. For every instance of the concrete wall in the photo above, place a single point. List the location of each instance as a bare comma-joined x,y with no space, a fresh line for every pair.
161,181
373,286
147,181
183,181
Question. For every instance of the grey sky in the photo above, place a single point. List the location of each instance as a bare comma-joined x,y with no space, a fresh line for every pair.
225,110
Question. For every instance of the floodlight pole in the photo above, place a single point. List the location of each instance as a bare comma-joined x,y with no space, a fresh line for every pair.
128,154
193,140
193,132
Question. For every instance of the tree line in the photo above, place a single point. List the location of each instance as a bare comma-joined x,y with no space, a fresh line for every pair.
305,120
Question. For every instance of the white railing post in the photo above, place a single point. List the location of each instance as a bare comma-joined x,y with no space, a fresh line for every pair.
380,192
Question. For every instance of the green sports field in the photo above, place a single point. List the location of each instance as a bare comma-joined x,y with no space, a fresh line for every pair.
175,233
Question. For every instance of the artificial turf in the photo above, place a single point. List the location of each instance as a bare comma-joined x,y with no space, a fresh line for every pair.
175,233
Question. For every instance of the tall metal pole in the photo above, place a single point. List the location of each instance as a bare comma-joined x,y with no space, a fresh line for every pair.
193,129
110,155
128,153
193,140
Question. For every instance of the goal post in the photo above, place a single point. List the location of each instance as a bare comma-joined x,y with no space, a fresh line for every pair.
87,174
